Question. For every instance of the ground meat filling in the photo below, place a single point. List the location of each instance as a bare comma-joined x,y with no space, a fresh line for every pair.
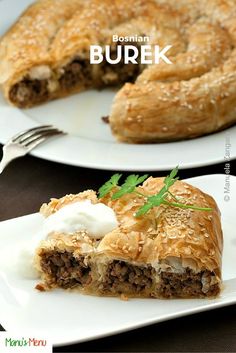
125,278
117,74
78,72
130,279
28,92
64,270
187,284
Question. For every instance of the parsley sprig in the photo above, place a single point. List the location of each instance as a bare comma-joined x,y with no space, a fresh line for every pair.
109,185
163,197
129,185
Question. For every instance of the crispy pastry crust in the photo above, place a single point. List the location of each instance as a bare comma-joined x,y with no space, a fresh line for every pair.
167,241
194,96
49,46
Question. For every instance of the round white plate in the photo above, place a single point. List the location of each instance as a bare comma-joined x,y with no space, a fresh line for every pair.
89,142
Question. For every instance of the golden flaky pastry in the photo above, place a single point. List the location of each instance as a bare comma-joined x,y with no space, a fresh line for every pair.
168,252
46,55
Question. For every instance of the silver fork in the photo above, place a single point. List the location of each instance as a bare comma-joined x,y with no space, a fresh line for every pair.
23,142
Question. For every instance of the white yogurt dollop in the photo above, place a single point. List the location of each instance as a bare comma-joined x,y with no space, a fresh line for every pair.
97,219
25,261
24,257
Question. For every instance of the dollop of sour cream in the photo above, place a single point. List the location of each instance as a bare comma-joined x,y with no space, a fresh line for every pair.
97,219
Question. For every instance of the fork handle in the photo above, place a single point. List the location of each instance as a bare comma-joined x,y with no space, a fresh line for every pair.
9,154
6,159
4,162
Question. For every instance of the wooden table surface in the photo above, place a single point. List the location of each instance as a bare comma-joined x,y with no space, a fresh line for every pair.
29,182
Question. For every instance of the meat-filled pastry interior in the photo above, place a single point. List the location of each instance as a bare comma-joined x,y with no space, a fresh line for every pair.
141,237
45,55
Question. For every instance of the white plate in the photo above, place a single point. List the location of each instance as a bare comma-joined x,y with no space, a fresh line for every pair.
71,317
90,142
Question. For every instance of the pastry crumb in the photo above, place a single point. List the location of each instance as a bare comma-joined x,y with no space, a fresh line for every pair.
124,297
41,287
105,119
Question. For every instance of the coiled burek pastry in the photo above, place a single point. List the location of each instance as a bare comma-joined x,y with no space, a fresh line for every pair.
45,55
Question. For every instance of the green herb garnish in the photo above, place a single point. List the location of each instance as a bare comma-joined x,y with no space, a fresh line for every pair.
109,185
129,185
163,197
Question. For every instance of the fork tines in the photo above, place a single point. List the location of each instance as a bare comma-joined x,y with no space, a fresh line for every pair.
37,134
